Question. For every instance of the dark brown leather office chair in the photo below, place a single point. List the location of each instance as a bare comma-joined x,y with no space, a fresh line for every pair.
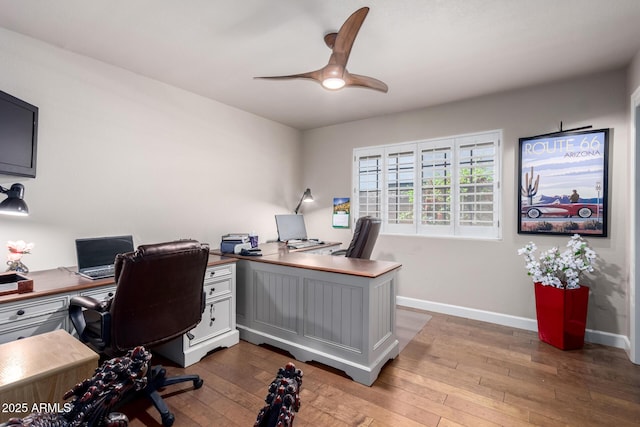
364,238
159,297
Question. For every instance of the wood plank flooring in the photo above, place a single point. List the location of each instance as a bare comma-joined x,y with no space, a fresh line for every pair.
455,372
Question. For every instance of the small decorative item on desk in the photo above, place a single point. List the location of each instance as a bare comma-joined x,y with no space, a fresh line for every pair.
561,302
14,258
253,239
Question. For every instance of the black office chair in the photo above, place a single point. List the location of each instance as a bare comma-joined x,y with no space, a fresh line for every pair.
364,238
159,297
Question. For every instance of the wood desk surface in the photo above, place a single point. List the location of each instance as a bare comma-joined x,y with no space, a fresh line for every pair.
66,279
32,358
273,248
277,253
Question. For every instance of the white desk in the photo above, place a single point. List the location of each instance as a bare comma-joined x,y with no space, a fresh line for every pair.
335,310
46,309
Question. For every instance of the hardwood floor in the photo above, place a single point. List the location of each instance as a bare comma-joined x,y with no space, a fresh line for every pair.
455,372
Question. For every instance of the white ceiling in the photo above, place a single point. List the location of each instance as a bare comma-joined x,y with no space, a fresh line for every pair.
428,51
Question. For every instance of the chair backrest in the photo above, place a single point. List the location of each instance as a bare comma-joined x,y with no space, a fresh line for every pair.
364,237
159,293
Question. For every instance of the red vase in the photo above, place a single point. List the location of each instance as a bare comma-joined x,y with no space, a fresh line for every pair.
562,315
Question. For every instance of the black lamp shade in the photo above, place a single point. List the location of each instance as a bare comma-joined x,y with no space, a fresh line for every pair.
14,204
306,197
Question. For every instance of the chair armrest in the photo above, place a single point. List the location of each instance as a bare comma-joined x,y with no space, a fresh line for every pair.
77,306
341,252
89,303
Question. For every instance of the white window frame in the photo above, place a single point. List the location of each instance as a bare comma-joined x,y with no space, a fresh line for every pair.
438,230
366,153
389,226
454,228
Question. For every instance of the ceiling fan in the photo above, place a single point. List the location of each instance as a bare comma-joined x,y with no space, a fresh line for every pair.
334,75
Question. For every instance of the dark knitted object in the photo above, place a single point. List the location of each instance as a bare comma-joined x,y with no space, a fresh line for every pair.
283,399
94,398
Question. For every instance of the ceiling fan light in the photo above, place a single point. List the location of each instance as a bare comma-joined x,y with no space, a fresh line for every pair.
333,83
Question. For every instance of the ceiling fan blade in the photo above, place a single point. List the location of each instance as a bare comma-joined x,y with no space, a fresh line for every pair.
314,75
366,82
346,36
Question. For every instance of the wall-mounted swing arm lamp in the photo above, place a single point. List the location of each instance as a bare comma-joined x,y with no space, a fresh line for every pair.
306,197
14,204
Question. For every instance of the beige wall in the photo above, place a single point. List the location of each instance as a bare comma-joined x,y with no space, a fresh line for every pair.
634,73
481,275
120,153
634,178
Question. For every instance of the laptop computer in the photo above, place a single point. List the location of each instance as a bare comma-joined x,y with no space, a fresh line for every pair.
291,227
96,255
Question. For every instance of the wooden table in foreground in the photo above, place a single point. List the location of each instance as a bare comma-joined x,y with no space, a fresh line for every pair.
35,372
331,309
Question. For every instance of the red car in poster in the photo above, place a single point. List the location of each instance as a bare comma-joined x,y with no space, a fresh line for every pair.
582,210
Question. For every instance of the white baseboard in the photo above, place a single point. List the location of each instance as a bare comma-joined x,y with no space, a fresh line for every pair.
596,337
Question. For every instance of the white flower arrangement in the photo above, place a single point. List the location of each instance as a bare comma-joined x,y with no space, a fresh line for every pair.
18,248
561,270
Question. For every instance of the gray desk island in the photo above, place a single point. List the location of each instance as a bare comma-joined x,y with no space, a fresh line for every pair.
334,310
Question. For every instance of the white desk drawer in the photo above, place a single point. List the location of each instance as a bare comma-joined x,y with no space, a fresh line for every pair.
101,294
33,326
28,309
215,320
214,288
218,271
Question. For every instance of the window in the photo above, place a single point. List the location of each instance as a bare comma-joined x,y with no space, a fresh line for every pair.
446,187
370,191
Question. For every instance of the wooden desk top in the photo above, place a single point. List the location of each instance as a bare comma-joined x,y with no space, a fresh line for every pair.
33,357
277,253
275,248
66,279
330,263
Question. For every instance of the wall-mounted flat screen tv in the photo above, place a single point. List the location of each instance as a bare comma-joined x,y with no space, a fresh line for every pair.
18,136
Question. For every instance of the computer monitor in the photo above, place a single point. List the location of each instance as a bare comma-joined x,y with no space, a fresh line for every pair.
291,227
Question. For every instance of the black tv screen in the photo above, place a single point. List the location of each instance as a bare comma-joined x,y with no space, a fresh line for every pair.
18,136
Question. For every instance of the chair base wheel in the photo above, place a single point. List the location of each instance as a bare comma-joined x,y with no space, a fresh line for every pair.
168,419
198,383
